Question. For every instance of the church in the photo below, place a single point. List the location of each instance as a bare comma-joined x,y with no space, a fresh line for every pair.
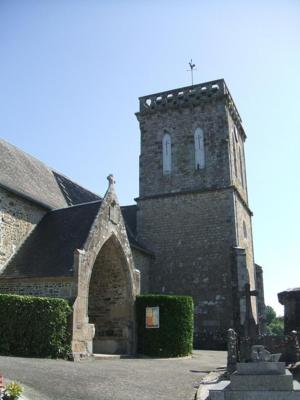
189,231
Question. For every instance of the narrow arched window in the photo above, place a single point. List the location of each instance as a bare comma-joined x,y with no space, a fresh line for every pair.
236,135
245,230
241,168
199,149
167,154
234,154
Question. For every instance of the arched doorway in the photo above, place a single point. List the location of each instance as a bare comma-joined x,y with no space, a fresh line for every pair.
110,301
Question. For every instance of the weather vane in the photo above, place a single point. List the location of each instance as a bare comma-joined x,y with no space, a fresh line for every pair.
192,67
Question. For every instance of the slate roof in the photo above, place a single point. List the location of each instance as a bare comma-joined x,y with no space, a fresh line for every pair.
130,219
49,249
129,215
28,177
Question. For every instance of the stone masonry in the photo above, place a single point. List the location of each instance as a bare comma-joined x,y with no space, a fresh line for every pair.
62,288
106,285
142,263
192,218
108,296
85,258
190,232
290,299
17,218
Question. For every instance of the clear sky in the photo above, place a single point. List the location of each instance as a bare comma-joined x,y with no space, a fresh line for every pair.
71,73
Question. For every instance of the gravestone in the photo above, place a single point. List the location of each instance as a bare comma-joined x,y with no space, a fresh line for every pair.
264,378
232,351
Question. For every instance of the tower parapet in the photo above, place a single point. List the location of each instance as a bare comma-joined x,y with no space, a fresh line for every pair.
190,96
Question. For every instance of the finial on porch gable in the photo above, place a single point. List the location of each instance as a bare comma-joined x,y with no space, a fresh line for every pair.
111,180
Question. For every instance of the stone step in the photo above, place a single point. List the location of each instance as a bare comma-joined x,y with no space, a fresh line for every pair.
106,356
259,395
261,368
110,356
223,391
217,391
296,386
262,382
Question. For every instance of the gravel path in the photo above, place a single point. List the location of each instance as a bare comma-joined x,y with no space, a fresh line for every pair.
125,379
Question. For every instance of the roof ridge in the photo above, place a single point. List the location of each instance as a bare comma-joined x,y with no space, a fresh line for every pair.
76,205
130,205
76,183
23,151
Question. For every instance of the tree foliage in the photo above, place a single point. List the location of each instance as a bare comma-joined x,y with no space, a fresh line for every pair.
270,314
275,326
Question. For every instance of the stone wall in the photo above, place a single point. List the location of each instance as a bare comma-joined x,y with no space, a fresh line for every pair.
192,236
261,308
243,214
290,299
287,345
142,262
17,218
245,241
122,282
292,315
193,218
109,305
236,139
52,287
181,125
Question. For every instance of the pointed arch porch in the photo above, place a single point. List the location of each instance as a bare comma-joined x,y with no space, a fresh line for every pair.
106,286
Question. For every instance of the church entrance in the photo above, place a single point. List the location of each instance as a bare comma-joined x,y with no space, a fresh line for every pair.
110,305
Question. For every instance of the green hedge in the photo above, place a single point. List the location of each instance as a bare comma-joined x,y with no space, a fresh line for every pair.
174,337
34,326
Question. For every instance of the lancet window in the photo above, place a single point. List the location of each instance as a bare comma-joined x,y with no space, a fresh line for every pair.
167,154
199,149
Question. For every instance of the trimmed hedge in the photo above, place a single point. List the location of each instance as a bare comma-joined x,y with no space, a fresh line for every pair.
34,326
174,337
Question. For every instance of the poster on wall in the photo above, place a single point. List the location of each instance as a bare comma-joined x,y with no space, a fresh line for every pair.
152,317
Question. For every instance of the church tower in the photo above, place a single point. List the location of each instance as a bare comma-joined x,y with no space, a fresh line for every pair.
193,211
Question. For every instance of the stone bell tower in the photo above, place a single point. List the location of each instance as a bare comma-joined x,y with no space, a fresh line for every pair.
193,205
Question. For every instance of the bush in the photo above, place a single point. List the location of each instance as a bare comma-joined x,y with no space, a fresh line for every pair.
276,327
34,326
274,324
270,315
13,390
174,337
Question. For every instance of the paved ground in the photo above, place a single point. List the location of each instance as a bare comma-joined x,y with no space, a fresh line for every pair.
125,379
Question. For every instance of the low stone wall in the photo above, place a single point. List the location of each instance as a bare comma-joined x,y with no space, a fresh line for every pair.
210,340
62,288
286,345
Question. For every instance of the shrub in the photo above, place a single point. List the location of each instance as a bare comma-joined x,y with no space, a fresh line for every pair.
34,326
13,390
270,315
174,337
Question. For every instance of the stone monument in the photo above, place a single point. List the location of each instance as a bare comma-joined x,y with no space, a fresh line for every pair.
232,351
264,378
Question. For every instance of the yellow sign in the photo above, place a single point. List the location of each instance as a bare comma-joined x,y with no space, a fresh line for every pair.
152,317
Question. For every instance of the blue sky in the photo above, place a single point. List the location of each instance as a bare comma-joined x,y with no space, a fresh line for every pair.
72,72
